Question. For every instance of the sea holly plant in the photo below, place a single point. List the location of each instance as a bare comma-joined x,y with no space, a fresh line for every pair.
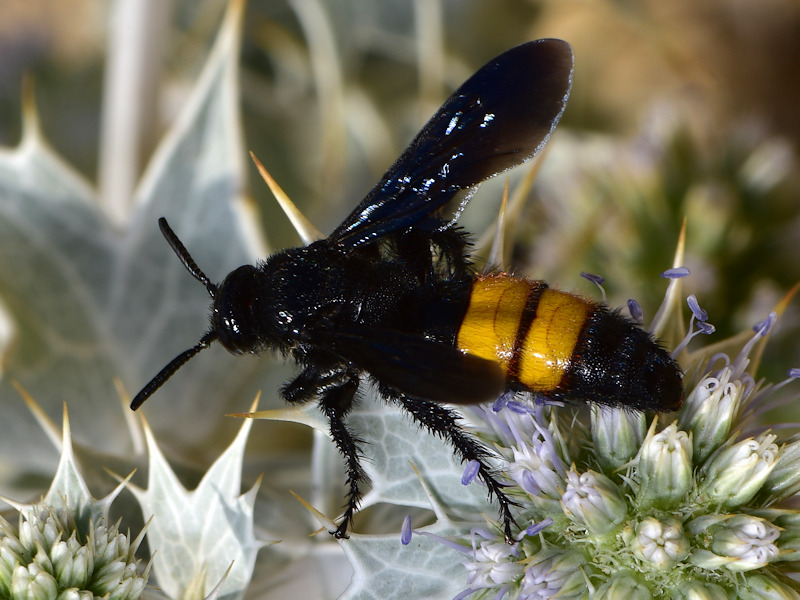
696,506
205,537
88,302
620,504
66,545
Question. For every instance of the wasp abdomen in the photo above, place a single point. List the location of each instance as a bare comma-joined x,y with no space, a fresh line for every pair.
528,328
566,347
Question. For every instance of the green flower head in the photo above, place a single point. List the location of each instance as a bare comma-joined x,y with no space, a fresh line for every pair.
49,556
688,508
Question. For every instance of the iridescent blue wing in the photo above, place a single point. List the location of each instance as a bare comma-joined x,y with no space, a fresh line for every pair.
499,118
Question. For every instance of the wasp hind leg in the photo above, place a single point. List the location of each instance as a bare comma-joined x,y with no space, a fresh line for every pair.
444,423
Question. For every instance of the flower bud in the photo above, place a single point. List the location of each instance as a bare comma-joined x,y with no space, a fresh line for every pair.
784,480
665,469
788,521
552,573
736,473
73,594
623,585
764,587
748,540
617,434
33,583
72,563
594,500
709,411
661,544
701,590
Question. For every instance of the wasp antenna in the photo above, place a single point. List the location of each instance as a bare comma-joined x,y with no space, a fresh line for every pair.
168,371
186,258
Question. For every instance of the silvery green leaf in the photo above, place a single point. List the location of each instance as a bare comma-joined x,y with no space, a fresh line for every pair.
204,536
89,303
393,447
394,443
387,570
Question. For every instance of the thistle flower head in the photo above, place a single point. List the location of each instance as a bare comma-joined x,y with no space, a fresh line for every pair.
689,507
64,547
49,556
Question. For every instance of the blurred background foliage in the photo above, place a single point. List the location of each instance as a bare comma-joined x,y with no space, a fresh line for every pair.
678,109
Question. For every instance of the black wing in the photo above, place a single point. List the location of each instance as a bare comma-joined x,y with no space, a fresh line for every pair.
419,367
499,118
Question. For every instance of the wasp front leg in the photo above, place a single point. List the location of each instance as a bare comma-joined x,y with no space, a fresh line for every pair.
335,390
336,404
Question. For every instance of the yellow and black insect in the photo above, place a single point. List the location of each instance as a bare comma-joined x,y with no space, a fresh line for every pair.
391,293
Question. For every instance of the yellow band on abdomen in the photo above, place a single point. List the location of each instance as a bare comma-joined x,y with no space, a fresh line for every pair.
490,327
550,342
528,328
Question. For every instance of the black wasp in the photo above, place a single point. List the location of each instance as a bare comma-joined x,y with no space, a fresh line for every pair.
392,294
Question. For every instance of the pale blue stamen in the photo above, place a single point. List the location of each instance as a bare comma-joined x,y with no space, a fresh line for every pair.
719,355
519,408
501,402
697,310
676,273
765,326
449,543
635,309
774,403
500,425
703,327
480,532
465,594
406,531
673,275
470,472
597,280
537,527
514,432
547,440
530,485
762,329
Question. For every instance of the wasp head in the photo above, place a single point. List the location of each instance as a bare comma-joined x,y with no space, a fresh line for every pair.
232,318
